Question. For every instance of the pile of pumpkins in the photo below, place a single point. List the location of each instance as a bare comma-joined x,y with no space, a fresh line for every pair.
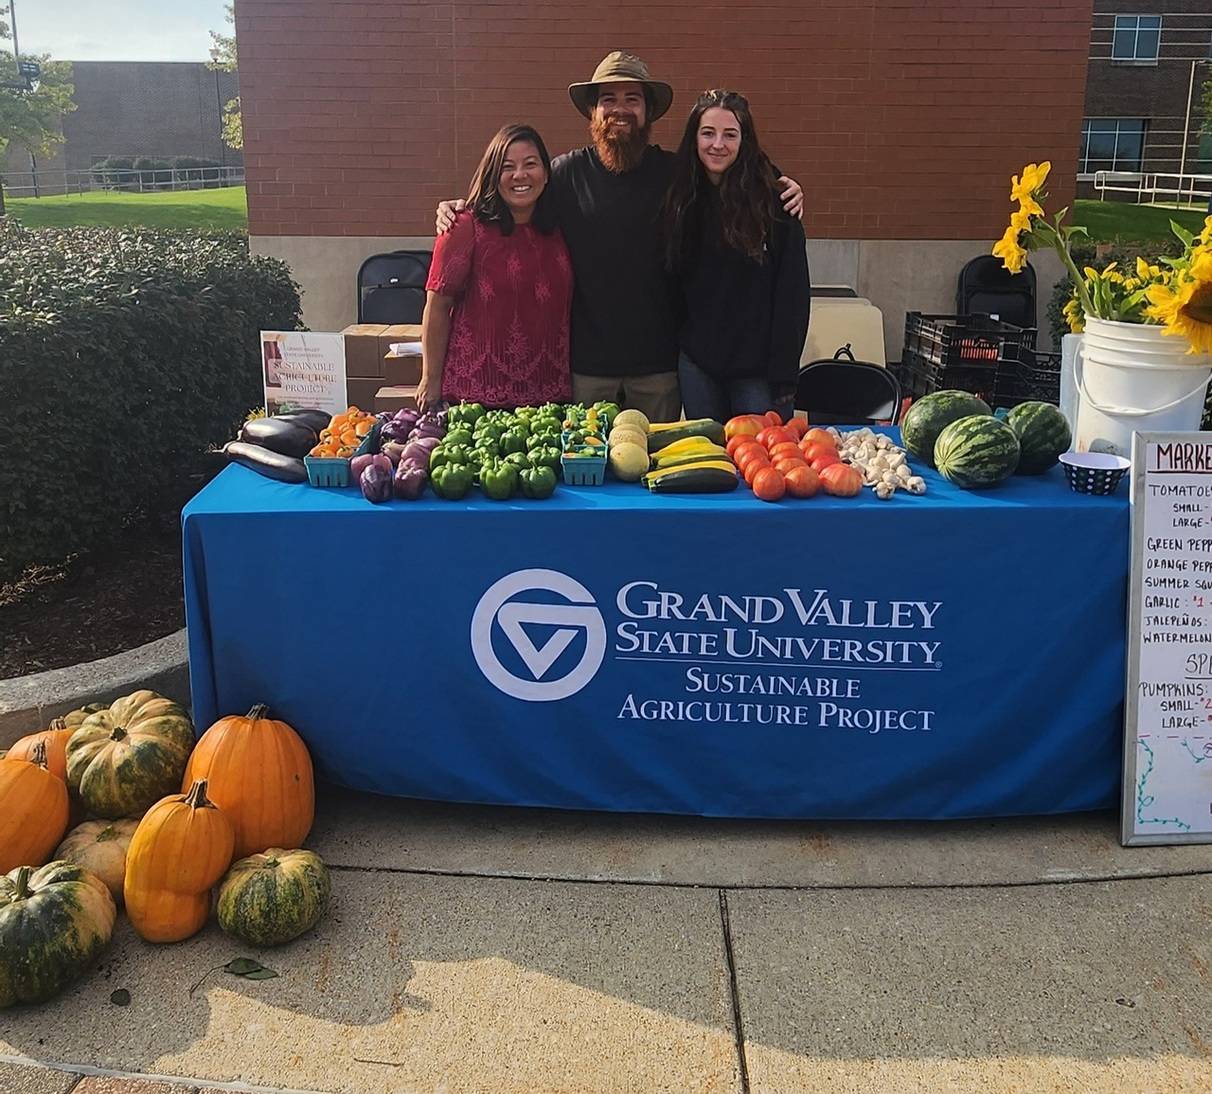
175,818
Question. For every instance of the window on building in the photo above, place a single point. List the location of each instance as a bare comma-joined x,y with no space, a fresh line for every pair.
1137,38
1112,144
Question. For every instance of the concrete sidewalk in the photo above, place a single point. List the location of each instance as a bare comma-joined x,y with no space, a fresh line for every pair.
642,954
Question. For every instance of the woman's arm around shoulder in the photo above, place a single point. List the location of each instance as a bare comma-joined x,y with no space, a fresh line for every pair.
792,300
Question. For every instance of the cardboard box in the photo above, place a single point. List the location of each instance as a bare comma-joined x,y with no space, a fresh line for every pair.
396,398
397,332
402,371
362,354
360,391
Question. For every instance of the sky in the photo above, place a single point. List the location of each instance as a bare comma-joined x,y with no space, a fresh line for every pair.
117,30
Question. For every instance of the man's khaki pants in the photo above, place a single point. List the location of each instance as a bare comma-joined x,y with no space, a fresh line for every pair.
656,395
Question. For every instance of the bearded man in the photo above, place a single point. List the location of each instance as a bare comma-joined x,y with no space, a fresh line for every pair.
607,197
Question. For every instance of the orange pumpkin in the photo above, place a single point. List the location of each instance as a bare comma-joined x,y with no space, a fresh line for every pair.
180,850
33,811
259,773
55,740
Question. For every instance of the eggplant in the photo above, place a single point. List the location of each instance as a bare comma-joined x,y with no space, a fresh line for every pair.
313,419
376,484
279,435
264,461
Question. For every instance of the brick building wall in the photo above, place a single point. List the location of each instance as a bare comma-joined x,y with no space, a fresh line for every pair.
903,119
138,108
1155,92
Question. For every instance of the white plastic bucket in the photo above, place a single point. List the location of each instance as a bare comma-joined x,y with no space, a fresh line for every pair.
1131,377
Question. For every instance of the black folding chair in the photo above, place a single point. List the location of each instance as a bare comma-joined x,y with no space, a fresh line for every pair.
847,392
391,287
986,287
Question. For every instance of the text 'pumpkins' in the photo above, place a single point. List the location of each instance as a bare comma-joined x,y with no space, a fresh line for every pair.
53,922
180,850
258,771
33,811
125,758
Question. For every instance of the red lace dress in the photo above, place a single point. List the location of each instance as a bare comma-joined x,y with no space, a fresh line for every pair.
509,327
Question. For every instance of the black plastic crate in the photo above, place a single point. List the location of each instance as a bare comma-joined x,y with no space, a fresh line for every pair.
920,377
964,341
1034,378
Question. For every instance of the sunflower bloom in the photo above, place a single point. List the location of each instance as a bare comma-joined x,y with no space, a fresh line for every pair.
1184,308
1072,312
1010,251
1024,191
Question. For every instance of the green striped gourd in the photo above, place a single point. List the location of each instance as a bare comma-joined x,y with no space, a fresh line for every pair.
270,898
931,414
1043,434
976,451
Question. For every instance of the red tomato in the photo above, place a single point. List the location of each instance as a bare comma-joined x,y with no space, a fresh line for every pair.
827,460
797,427
785,448
751,469
747,454
773,417
802,482
817,435
772,435
782,466
737,441
744,425
768,484
842,481
812,451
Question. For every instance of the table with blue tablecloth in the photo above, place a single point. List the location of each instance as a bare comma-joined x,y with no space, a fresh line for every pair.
957,654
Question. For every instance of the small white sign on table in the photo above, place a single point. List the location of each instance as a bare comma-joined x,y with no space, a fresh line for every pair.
303,369
1167,791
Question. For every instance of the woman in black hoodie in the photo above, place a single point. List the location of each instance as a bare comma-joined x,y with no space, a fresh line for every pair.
740,264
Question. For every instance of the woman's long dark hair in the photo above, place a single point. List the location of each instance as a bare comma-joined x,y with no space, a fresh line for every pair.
747,193
484,199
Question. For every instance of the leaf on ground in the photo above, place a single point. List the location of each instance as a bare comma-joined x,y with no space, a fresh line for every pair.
120,998
249,969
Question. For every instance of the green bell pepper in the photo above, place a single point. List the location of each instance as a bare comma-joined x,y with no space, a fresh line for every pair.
514,441
464,414
547,455
520,460
459,435
538,482
499,482
446,454
451,480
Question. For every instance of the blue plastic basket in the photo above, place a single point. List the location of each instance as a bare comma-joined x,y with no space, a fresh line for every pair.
326,471
587,467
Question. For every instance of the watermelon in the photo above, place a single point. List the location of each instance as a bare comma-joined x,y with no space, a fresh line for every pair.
931,414
976,451
1043,434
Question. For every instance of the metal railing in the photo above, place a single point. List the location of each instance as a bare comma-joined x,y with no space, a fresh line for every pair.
1151,187
45,183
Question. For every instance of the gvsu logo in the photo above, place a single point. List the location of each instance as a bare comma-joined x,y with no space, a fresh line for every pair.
499,617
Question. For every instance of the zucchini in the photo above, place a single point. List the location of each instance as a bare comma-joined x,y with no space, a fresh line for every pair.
273,465
279,435
692,457
705,477
700,427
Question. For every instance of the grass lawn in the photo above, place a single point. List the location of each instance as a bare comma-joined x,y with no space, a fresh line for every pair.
1107,221
222,208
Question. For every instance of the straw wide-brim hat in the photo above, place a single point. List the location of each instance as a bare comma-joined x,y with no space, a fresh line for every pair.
621,68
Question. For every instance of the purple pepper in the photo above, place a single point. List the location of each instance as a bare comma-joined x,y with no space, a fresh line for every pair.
376,484
409,482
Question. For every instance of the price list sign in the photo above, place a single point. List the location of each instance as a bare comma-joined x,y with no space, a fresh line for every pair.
1167,795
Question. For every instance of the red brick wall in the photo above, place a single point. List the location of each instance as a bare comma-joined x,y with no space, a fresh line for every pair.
903,119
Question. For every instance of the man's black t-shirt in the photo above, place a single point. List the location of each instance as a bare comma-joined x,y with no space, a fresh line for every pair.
623,321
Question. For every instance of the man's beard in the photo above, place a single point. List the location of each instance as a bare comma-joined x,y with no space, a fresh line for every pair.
617,150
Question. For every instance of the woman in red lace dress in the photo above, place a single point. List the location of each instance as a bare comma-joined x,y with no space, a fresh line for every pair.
495,329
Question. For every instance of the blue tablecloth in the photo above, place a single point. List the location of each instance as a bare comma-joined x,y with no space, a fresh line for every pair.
951,655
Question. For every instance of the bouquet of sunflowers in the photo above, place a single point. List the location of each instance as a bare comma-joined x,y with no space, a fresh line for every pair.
1173,293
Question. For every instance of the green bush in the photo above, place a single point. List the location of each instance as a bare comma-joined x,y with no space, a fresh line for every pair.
124,355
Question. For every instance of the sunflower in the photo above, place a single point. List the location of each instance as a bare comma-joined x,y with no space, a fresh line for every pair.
1025,191
1184,306
1072,311
1009,250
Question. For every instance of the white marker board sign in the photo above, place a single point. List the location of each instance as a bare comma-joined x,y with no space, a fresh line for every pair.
1167,792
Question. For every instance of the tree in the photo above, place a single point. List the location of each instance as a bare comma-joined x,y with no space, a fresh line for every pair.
223,59
33,118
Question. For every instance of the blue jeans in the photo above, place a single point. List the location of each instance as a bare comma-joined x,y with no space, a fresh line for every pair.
706,396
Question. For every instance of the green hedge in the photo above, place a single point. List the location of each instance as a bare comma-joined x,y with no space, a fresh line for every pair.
124,355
